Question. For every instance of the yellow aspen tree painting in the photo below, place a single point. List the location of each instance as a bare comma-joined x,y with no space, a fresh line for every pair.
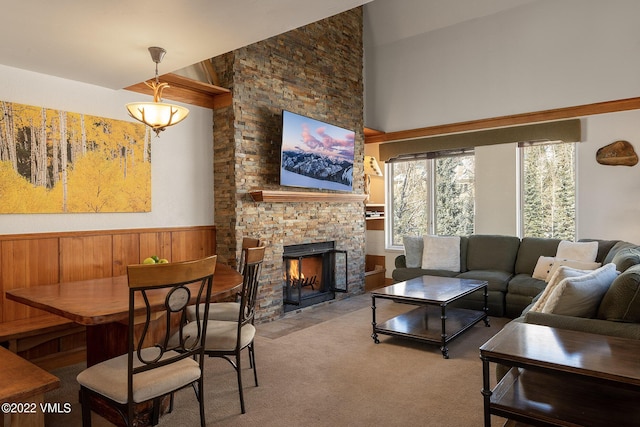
55,161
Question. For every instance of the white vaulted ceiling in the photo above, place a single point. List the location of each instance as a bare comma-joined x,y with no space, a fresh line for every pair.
105,42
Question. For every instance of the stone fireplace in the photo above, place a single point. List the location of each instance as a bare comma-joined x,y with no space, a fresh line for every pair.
315,70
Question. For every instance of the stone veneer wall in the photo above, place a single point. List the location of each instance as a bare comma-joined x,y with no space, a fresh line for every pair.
315,71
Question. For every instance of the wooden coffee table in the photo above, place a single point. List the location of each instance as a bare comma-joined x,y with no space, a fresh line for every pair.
562,378
432,321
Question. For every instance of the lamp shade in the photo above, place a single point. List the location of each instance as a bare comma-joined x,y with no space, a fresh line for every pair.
157,115
371,166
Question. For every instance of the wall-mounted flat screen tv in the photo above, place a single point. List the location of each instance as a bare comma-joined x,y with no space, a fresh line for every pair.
316,154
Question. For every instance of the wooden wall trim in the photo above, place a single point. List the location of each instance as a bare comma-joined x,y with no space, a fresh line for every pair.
511,120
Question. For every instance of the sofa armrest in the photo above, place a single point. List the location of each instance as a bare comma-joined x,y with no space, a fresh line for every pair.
401,261
581,324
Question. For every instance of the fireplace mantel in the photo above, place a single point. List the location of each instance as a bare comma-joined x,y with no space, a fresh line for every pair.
304,196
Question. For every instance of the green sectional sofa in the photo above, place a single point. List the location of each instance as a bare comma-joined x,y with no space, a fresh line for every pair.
507,263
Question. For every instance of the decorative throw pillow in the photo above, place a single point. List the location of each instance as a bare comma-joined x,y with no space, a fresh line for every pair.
580,296
441,253
543,267
580,265
580,251
562,273
413,251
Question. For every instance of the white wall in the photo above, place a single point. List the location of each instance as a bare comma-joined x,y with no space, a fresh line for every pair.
542,55
182,157
609,196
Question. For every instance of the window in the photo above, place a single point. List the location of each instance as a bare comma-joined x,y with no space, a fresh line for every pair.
431,194
548,190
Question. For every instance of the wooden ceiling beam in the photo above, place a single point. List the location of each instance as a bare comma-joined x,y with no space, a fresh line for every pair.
189,91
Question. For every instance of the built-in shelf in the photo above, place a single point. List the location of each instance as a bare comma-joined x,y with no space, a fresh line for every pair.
304,196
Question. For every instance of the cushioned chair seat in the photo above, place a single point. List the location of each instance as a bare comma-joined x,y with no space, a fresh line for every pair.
221,335
227,311
109,378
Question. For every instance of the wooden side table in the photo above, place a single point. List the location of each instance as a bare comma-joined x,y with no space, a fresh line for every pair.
562,378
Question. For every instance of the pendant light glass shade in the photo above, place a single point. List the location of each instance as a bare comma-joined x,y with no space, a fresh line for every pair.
157,114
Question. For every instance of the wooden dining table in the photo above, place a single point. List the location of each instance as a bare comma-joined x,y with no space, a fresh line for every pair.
102,305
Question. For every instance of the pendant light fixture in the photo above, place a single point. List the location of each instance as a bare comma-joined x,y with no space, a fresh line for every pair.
157,114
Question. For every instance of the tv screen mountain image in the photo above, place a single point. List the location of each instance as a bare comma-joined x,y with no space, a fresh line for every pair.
316,154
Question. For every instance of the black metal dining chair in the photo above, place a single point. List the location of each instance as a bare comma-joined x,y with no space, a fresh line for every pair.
227,339
155,366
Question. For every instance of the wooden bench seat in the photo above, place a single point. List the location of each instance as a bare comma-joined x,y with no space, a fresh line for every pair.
24,382
21,335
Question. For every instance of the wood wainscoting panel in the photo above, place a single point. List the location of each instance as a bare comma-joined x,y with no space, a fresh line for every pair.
44,258
126,251
191,244
86,257
156,243
26,263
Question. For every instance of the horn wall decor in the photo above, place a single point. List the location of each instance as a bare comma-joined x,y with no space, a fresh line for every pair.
619,153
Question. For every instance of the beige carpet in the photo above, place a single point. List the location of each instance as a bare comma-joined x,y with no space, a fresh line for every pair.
332,374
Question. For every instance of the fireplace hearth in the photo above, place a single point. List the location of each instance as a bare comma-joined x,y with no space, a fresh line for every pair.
312,273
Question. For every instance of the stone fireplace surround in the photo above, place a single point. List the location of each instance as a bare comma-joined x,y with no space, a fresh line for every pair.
316,71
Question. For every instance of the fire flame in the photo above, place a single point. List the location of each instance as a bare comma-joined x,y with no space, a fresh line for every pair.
294,271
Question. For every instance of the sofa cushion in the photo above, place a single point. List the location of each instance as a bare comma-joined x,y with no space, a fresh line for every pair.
402,274
413,248
496,280
622,300
523,284
530,249
579,251
604,247
614,250
441,253
626,258
492,252
580,296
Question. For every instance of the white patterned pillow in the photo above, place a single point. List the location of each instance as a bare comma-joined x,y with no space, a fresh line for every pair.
580,265
580,251
441,253
543,267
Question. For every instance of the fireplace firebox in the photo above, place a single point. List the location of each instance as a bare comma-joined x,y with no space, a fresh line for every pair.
313,273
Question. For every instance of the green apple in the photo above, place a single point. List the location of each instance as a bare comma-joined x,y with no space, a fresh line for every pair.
163,261
149,261
155,258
